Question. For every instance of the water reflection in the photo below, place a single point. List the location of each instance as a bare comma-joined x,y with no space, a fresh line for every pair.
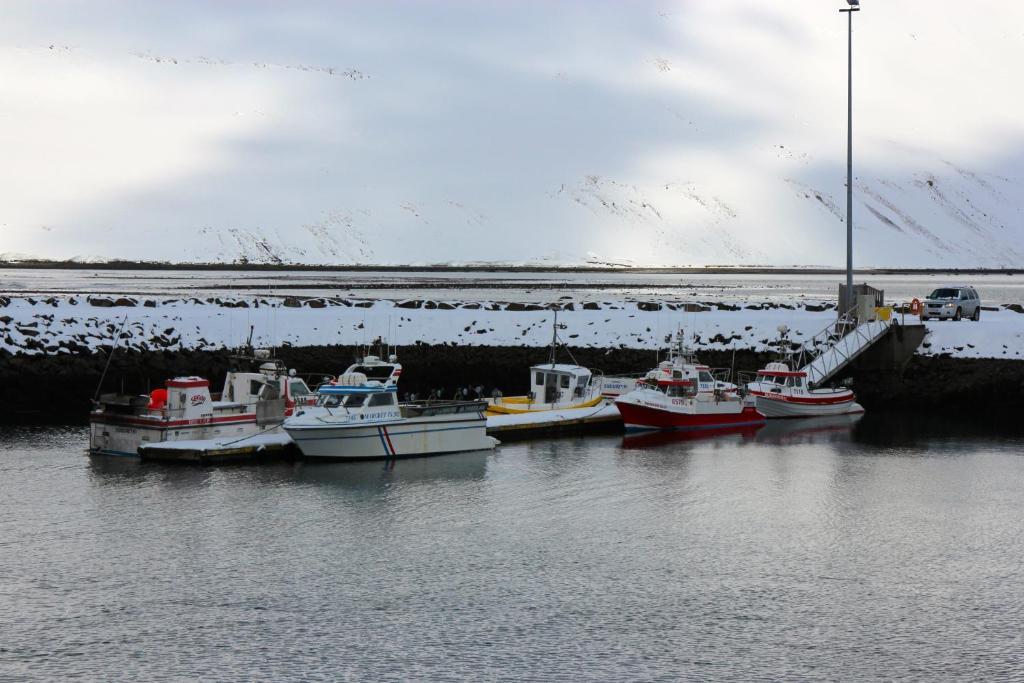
655,440
377,474
809,430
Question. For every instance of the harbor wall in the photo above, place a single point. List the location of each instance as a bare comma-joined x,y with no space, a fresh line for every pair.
58,388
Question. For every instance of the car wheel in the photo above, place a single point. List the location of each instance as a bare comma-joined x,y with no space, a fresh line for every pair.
924,318
977,314
957,315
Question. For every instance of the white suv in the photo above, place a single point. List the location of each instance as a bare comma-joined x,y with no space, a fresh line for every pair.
952,301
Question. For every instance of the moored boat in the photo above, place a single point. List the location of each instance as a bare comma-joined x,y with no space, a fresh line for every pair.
781,391
359,418
554,386
185,410
682,393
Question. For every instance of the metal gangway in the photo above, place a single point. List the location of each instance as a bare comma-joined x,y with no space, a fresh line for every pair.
835,347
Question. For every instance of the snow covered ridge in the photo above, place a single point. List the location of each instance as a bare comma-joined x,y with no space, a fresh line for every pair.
55,325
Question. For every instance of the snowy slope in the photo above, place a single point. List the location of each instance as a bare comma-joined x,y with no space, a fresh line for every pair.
661,133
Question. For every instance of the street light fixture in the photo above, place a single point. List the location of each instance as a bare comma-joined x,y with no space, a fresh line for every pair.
854,6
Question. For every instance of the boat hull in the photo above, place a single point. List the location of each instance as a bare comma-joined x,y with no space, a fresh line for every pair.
638,415
406,438
123,435
787,407
518,405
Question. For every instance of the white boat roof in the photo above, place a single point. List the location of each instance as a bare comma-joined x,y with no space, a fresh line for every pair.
562,367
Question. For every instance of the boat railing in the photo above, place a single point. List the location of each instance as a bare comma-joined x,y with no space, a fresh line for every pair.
435,407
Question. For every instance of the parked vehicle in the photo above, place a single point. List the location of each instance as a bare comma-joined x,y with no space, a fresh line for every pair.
952,301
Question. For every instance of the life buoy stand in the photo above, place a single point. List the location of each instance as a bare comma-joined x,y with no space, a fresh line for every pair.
915,307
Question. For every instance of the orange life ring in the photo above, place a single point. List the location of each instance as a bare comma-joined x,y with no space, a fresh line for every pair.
915,307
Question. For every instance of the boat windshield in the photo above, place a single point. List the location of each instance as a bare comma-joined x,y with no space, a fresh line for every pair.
377,372
341,400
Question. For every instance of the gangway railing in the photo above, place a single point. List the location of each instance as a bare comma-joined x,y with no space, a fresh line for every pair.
843,342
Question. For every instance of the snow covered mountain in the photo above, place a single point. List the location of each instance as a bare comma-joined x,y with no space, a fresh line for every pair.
659,133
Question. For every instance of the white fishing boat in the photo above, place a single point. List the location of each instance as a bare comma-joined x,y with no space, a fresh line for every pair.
357,416
781,391
184,409
553,386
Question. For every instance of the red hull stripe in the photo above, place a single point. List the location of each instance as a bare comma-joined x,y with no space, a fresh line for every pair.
157,423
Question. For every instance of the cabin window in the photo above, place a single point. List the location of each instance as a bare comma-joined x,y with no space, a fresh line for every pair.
383,398
564,379
330,401
798,381
539,381
677,374
299,388
705,376
354,400
254,387
269,391
675,391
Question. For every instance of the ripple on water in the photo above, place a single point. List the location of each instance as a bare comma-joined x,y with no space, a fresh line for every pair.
799,554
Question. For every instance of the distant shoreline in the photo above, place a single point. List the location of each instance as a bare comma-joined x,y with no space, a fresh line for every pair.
493,268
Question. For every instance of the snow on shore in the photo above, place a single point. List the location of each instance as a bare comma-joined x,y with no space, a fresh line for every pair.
77,324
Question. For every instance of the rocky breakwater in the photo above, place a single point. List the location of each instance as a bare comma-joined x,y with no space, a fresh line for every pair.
53,349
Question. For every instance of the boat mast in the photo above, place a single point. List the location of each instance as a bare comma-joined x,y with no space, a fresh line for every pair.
554,339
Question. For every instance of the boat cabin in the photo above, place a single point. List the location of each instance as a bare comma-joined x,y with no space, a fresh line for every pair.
559,383
779,374
271,382
698,375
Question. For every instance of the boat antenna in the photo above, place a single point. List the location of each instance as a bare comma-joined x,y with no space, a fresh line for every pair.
110,357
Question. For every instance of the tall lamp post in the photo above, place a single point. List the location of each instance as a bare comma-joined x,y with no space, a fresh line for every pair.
854,6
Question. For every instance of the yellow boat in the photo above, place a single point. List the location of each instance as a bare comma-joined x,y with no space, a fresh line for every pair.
555,386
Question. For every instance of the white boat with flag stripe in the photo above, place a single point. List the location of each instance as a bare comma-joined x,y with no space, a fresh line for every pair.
357,418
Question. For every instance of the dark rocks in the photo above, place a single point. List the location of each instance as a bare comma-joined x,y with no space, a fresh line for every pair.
102,302
149,303
291,302
363,304
591,306
649,306
518,307
309,303
125,302
414,303
695,308
1016,308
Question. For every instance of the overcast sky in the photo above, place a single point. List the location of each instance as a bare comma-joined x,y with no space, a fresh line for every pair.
401,132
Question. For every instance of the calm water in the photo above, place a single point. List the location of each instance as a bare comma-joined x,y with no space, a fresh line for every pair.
803,551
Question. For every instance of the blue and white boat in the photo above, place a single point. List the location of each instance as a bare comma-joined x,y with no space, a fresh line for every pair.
358,417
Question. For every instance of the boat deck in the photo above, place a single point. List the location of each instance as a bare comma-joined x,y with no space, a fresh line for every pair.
256,448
